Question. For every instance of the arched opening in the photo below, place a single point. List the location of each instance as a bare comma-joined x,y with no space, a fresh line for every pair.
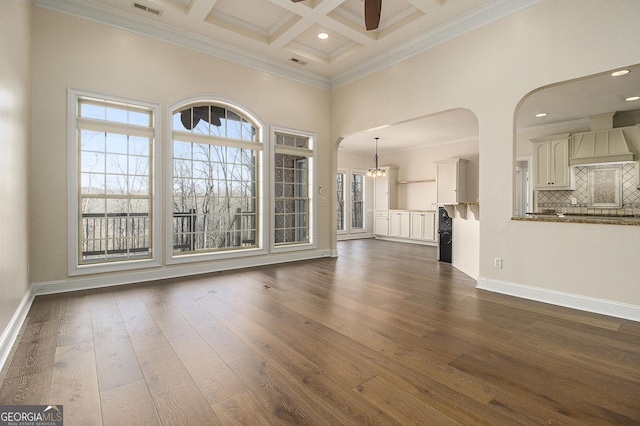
579,140
409,152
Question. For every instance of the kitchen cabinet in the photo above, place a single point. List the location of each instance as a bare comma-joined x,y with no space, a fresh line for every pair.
451,181
381,222
385,190
551,170
399,224
423,226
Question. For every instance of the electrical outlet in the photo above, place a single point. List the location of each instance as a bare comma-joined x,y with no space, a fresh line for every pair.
497,263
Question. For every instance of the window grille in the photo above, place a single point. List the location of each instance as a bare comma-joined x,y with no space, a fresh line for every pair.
215,180
292,162
340,202
115,144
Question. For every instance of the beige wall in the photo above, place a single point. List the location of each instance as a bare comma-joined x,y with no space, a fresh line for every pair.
488,71
78,53
15,121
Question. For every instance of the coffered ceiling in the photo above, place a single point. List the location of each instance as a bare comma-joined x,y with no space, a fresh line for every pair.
281,36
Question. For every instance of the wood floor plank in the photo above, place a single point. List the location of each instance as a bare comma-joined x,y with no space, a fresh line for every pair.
535,385
75,328
320,351
116,362
129,405
134,313
106,320
211,374
428,390
226,344
176,395
401,405
37,349
31,389
282,402
46,309
321,389
415,356
74,384
242,410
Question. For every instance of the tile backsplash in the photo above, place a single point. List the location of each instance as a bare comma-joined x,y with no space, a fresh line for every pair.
560,201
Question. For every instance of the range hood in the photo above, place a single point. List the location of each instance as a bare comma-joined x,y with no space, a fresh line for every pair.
603,144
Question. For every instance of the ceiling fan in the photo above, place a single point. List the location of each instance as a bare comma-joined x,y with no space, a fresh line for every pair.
372,10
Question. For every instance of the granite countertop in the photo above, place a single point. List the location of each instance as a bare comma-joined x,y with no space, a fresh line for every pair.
412,210
577,218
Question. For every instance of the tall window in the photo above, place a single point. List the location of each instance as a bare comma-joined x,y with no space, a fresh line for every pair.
340,202
292,183
113,151
357,201
216,154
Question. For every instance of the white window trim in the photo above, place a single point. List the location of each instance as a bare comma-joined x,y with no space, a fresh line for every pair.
73,258
263,167
313,202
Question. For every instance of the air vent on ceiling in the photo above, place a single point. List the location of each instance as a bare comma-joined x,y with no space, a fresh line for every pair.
298,61
141,6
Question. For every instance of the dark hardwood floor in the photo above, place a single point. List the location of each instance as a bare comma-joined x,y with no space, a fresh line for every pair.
384,334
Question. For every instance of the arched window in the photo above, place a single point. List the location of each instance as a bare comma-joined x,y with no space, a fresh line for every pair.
216,179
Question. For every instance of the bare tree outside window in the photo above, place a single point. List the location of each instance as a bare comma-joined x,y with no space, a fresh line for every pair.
340,202
115,181
357,201
214,180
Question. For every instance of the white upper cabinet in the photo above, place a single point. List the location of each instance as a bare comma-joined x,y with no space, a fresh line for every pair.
451,181
385,195
551,168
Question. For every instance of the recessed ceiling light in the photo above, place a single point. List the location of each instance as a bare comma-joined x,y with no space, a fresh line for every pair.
542,114
632,98
323,36
619,73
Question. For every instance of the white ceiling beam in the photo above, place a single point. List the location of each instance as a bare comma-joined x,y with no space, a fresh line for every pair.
200,9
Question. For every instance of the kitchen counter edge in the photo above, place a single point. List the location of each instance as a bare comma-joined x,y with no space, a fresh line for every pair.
580,219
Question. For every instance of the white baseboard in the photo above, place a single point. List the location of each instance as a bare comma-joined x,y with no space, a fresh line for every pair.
408,241
144,275
568,300
356,236
12,330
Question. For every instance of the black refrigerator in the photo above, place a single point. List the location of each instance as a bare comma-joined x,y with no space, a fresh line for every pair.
445,235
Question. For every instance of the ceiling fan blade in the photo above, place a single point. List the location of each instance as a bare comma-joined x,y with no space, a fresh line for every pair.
372,10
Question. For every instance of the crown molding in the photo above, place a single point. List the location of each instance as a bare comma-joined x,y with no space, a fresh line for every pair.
112,16
473,19
115,17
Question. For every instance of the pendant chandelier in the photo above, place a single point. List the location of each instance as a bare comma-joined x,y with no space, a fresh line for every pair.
376,172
